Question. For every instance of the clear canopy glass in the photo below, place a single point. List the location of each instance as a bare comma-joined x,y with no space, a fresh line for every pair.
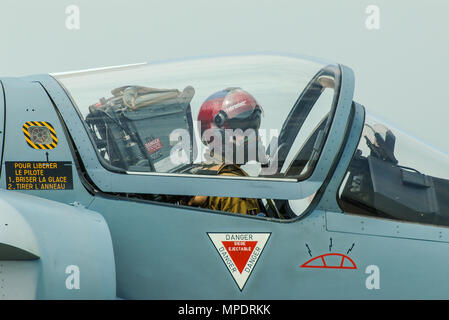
395,175
143,117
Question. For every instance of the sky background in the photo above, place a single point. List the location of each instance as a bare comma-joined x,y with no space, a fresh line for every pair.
401,69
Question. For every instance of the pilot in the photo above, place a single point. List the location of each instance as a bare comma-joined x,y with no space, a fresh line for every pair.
229,121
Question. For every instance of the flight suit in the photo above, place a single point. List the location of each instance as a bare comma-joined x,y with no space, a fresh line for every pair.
228,204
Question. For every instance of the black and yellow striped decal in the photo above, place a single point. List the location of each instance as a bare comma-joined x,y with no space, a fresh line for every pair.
40,124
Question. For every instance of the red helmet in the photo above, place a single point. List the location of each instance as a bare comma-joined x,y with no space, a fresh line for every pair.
231,108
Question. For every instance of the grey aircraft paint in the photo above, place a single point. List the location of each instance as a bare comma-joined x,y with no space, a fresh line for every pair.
135,248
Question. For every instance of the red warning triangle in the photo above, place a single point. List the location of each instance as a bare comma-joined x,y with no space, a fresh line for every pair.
240,251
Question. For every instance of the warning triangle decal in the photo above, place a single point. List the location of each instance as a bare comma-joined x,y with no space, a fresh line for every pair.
239,252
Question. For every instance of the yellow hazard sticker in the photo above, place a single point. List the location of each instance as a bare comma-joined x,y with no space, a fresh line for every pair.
40,135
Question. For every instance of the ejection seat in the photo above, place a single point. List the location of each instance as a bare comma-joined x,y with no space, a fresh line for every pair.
132,128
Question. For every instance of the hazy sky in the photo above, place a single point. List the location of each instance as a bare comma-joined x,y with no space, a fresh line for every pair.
401,69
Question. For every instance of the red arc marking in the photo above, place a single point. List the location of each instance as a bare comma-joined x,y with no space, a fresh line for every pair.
325,266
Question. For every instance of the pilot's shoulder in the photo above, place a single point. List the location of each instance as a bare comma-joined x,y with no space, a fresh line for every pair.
221,169
231,170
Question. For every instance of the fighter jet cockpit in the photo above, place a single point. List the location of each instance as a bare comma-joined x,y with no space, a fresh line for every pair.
157,119
145,118
393,175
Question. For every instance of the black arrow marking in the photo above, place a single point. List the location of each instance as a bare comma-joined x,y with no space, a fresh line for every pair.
46,153
310,252
330,245
350,249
